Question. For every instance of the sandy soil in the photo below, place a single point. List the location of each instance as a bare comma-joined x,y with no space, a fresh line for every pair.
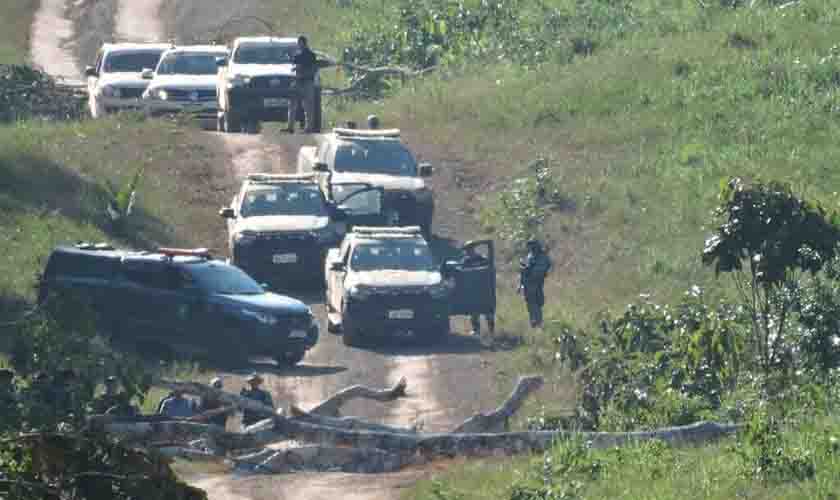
447,383
51,33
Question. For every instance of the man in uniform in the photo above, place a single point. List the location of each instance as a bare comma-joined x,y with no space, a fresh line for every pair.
532,272
213,410
373,122
9,410
474,259
306,66
257,394
112,402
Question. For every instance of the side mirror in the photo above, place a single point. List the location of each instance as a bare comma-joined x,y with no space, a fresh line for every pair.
339,215
426,169
227,213
147,74
337,266
320,167
221,62
90,71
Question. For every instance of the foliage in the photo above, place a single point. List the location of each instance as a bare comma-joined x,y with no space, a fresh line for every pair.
121,202
818,336
85,467
777,236
520,211
26,92
766,454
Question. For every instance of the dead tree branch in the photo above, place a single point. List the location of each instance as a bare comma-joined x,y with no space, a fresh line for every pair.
497,421
332,406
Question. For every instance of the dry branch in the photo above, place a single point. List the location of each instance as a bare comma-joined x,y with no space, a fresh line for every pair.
332,406
497,421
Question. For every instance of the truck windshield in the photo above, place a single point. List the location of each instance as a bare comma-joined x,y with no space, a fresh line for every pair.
402,255
188,64
264,54
131,62
223,279
375,157
284,199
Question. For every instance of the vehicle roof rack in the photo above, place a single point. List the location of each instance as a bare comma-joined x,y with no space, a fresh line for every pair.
352,132
265,178
388,230
170,253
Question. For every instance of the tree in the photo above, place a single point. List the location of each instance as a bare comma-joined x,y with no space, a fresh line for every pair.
766,239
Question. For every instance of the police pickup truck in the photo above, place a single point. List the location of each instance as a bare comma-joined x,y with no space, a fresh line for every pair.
280,226
183,299
378,158
385,282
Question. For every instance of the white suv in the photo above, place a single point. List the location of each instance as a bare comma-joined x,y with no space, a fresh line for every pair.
115,82
185,81
256,84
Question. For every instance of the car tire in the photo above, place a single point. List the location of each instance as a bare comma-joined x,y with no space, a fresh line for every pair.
290,358
252,126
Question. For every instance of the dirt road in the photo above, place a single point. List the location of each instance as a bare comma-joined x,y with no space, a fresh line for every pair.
447,383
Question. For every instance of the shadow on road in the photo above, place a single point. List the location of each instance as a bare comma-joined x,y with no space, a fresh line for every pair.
300,370
454,344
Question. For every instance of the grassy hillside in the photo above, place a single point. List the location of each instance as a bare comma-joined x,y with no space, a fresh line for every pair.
14,24
53,181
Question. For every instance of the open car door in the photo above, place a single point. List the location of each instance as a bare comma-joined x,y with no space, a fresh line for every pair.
475,279
360,202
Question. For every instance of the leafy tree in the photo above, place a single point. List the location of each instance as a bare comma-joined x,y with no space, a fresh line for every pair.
767,238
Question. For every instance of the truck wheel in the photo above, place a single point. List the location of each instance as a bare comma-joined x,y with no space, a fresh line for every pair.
231,123
290,358
439,332
252,126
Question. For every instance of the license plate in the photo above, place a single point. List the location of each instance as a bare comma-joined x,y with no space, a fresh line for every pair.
297,334
284,258
275,102
401,314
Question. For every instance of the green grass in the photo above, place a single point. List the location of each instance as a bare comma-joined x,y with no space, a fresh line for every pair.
642,472
14,26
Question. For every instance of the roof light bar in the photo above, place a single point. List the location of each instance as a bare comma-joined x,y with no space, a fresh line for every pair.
184,252
352,132
269,178
406,230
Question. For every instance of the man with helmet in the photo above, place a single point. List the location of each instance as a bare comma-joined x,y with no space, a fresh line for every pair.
214,410
532,272
257,394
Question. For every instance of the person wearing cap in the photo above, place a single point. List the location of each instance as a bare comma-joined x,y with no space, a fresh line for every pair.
306,66
373,122
177,406
9,400
213,410
257,394
472,259
112,402
532,272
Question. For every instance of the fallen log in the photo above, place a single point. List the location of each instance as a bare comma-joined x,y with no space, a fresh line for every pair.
331,407
497,421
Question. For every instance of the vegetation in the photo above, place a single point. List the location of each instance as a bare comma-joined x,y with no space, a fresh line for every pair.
14,24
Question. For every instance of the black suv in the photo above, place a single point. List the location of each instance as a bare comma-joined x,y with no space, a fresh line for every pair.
182,299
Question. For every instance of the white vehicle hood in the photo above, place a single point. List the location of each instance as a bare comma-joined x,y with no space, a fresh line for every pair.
122,80
266,223
393,277
184,82
387,182
262,69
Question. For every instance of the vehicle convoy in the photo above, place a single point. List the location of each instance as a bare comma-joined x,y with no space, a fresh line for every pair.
257,83
378,158
183,299
384,281
115,81
185,81
280,226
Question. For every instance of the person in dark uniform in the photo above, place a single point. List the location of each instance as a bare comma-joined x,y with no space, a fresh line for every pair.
306,66
9,401
373,122
257,394
177,406
65,395
532,272
213,410
112,402
474,259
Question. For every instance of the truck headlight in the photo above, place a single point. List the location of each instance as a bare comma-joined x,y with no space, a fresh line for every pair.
264,318
245,237
360,292
162,94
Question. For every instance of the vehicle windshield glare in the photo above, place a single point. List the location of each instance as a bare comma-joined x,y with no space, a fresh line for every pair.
283,199
375,157
264,54
131,62
188,64
402,255
223,279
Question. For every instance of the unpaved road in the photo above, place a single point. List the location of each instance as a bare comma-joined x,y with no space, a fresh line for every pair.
447,383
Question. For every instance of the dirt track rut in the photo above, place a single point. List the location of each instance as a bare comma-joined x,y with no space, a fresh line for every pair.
447,383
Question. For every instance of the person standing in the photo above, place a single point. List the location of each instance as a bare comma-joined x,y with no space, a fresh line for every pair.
112,402
473,259
306,67
177,406
257,394
532,272
9,401
373,122
213,410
